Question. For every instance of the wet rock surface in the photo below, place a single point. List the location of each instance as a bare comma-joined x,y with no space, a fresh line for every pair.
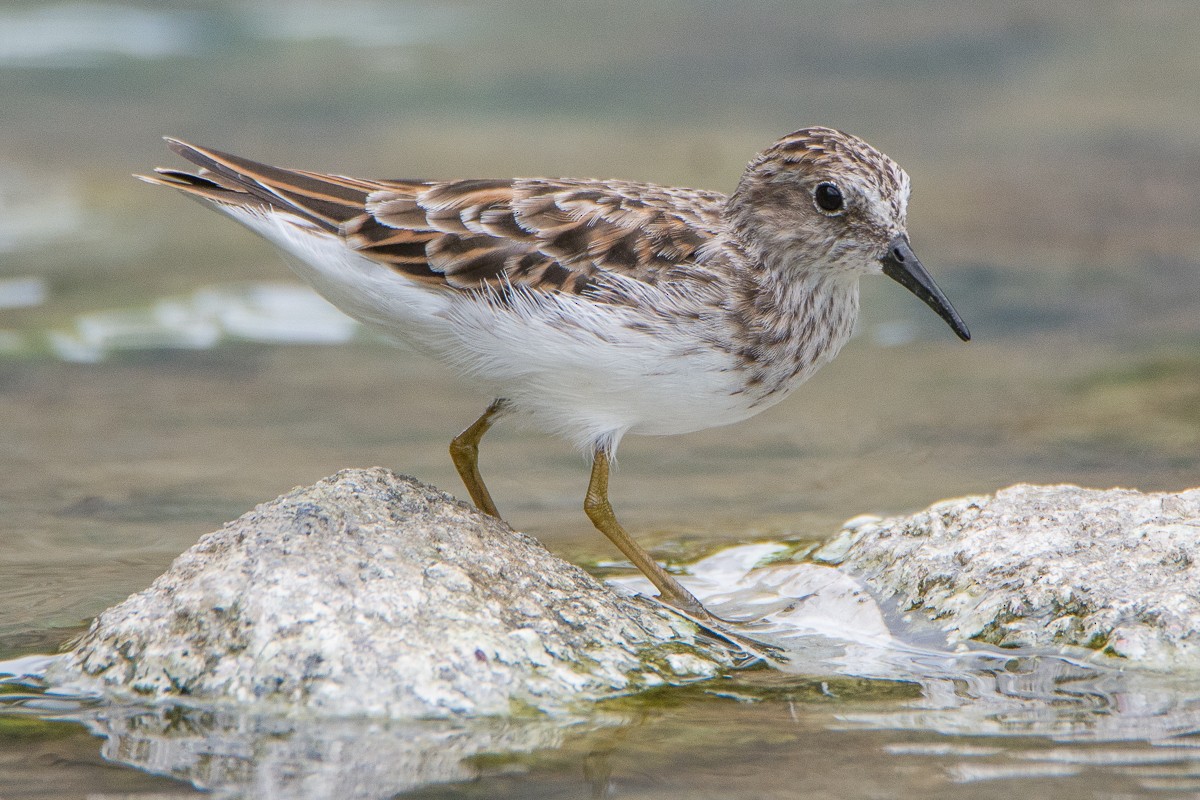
372,594
1116,571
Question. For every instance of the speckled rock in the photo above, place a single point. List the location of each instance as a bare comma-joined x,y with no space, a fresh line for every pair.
372,594
1116,571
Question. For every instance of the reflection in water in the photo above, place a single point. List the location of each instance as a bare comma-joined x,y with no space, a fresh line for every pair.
826,623
1045,714
279,758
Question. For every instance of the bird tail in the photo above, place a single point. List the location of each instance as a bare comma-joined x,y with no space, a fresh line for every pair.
326,201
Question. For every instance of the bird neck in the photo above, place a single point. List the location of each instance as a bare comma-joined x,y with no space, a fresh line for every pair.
790,322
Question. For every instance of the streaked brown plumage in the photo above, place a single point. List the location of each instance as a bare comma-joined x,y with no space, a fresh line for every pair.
598,308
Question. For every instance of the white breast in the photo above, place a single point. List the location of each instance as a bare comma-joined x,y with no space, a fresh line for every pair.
587,371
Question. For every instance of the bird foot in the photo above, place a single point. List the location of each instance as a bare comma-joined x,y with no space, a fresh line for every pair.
747,650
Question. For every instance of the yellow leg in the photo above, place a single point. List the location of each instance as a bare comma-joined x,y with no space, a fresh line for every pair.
600,512
464,451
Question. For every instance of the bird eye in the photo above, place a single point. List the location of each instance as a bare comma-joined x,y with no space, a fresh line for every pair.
828,198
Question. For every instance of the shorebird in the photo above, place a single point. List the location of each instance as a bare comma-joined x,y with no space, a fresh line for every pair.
598,308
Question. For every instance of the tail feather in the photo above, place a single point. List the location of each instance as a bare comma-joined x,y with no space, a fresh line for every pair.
203,185
327,201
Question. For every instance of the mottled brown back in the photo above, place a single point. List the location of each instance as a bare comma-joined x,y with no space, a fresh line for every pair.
536,233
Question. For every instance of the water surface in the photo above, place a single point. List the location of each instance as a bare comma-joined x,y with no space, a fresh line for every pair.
156,379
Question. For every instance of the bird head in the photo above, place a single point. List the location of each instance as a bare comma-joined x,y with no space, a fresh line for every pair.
823,201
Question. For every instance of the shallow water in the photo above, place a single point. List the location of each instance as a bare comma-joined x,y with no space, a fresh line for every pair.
156,381
951,721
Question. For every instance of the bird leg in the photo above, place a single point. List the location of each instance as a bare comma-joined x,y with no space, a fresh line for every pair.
600,512
464,451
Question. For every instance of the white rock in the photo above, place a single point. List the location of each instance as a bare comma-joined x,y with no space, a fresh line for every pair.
1116,571
372,594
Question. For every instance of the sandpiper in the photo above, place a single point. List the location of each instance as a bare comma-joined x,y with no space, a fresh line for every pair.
598,308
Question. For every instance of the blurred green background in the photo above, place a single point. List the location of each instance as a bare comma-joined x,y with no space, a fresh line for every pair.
158,376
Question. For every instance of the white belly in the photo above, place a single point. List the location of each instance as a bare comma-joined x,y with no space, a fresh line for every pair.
573,367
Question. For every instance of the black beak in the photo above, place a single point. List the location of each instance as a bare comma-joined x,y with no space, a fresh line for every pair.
901,265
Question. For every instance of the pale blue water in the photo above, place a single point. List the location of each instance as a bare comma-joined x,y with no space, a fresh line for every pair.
156,379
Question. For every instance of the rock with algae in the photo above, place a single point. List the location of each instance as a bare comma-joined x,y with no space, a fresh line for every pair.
1116,571
372,594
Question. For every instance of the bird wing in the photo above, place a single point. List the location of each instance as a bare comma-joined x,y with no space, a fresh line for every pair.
537,233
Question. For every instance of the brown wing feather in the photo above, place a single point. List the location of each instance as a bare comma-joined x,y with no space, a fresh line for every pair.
541,234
